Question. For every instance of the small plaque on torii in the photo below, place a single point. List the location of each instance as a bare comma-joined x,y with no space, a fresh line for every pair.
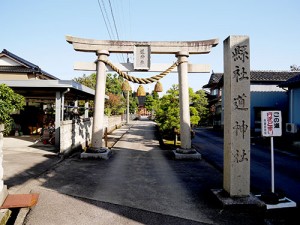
142,54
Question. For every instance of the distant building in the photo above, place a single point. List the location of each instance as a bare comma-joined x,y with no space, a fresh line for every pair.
292,86
43,92
265,95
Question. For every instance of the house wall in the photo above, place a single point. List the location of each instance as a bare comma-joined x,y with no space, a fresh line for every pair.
76,134
5,61
294,115
10,76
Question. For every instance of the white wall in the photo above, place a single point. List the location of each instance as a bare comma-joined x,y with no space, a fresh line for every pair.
76,134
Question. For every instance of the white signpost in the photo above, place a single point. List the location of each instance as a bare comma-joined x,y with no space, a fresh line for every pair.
271,126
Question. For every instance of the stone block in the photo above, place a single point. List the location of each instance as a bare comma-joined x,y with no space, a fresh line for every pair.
103,155
245,202
193,156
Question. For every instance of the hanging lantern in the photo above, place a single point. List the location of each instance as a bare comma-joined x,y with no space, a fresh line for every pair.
158,87
126,86
141,91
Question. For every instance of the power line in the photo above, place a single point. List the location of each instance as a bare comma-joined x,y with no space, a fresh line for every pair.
104,19
116,29
109,16
109,23
112,14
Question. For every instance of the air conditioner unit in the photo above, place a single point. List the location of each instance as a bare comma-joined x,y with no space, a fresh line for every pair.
291,128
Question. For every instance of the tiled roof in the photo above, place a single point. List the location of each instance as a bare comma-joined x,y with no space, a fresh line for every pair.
28,66
214,79
292,82
257,75
15,69
260,76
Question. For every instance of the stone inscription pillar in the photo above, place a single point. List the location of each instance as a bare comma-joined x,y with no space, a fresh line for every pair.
184,102
237,116
98,123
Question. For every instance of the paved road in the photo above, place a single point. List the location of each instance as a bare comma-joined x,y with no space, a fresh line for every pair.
140,184
287,165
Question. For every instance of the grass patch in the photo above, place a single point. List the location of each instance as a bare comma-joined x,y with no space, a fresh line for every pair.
170,144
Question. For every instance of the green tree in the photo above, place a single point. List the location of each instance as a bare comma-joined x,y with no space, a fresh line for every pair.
9,102
200,102
295,68
114,84
133,103
149,101
89,81
117,104
167,109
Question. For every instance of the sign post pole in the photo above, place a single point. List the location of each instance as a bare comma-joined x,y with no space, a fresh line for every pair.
272,165
271,127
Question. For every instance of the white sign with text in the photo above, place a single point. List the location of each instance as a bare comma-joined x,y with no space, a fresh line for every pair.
271,123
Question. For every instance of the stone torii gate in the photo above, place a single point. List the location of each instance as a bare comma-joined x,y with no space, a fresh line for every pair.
142,51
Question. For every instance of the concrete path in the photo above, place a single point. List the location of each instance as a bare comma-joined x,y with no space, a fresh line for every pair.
139,184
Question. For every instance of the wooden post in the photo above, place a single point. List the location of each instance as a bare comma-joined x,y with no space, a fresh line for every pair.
105,137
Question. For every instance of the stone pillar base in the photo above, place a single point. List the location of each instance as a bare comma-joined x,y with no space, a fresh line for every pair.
186,154
102,153
245,202
96,150
3,194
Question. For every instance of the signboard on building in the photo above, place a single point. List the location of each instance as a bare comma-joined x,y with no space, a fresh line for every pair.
142,55
271,123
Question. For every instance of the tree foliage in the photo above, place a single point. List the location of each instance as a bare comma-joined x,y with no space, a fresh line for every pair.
200,102
133,102
295,68
116,104
89,81
167,109
9,102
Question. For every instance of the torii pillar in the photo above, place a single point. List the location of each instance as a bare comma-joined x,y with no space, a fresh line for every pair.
184,102
99,104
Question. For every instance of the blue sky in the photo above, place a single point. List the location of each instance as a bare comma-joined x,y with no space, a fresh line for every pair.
35,31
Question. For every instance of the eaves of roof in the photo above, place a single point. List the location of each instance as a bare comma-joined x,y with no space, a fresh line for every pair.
272,77
292,82
16,69
214,79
